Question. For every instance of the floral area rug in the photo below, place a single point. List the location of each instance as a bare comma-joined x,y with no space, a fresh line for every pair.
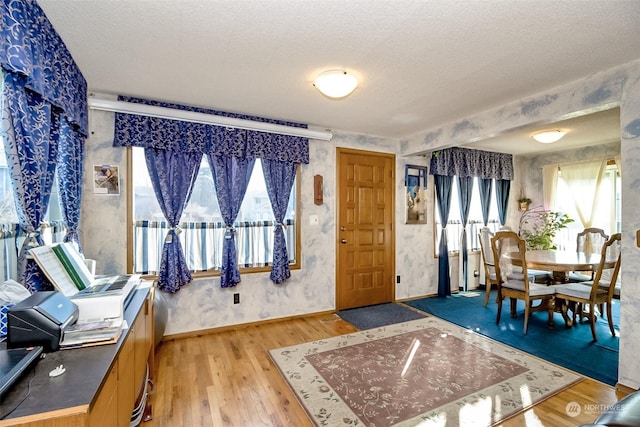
425,372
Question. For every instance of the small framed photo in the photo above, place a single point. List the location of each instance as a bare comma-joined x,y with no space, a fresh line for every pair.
106,179
415,181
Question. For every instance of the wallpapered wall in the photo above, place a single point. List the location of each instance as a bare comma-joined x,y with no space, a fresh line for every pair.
202,304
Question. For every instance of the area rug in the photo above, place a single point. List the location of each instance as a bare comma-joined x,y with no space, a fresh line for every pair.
374,316
425,372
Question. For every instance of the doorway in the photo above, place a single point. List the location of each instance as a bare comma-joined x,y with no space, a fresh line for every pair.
365,246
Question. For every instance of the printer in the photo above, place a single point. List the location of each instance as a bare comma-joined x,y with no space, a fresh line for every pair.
40,320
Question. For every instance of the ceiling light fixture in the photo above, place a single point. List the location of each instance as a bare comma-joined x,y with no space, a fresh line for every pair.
335,83
549,136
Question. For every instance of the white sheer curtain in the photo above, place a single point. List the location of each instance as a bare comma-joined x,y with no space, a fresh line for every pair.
583,180
549,185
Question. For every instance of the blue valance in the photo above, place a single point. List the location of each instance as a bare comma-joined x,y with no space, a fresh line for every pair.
30,47
463,162
182,136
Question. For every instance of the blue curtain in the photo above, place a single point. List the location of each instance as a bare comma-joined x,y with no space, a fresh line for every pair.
279,178
231,154
31,130
44,110
485,198
466,163
70,172
443,193
465,188
231,177
172,175
141,131
503,187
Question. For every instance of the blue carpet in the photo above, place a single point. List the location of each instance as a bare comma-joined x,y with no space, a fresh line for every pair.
572,348
378,315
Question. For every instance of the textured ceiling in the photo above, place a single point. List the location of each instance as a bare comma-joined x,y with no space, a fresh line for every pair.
420,63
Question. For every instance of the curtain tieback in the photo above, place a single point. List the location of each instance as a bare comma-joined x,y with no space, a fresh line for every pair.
229,232
169,238
31,242
280,224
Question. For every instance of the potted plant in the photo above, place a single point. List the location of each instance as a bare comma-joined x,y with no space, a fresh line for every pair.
524,203
539,227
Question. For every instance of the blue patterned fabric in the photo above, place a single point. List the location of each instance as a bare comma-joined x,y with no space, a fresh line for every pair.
31,48
172,175
44,101
31,129
279,178
443,193
465,188
231,154
70,171
503,187
231,177
464,162
485,198
168,134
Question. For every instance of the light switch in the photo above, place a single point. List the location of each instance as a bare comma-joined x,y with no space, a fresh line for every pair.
314,220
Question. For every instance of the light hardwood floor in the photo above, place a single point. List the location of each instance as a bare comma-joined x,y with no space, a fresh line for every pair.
228,379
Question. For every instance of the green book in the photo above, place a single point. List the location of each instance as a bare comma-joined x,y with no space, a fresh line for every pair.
68,266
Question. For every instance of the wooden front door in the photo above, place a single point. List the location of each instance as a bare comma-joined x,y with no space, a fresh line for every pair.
365,235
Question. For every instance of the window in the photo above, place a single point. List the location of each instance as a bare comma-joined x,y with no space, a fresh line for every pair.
608,208
202,225
475,222
52,230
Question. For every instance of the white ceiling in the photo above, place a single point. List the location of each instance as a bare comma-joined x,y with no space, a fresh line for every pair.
421,63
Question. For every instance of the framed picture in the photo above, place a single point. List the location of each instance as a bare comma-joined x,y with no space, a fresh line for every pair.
415,182
106,179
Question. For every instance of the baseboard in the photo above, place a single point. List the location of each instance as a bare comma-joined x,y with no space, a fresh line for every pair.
238,326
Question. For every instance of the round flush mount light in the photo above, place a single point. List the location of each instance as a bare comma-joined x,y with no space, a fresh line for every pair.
336,84
548,136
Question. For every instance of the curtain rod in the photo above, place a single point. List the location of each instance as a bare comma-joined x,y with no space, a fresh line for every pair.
207,119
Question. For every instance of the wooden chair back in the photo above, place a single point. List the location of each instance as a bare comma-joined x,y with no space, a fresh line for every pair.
509,254
591,240
607,277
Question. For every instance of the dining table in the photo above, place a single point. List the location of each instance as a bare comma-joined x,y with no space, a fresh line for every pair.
560,263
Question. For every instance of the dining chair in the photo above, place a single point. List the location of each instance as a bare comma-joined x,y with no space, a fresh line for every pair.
484,237
510,252
598,291
490,279
589,240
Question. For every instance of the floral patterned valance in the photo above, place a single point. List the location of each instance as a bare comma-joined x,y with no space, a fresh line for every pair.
177,135
464,162
30,46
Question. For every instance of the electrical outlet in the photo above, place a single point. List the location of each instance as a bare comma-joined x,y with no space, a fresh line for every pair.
236,298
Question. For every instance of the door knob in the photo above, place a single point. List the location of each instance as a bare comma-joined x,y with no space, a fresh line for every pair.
343,241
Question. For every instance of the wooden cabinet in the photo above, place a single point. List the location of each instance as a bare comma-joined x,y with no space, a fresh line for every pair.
101,384
102,413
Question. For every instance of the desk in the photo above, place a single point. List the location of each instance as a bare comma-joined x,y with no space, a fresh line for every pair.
100,384
563,262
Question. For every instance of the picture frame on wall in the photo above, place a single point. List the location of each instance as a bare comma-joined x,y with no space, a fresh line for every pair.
106,179
415,182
